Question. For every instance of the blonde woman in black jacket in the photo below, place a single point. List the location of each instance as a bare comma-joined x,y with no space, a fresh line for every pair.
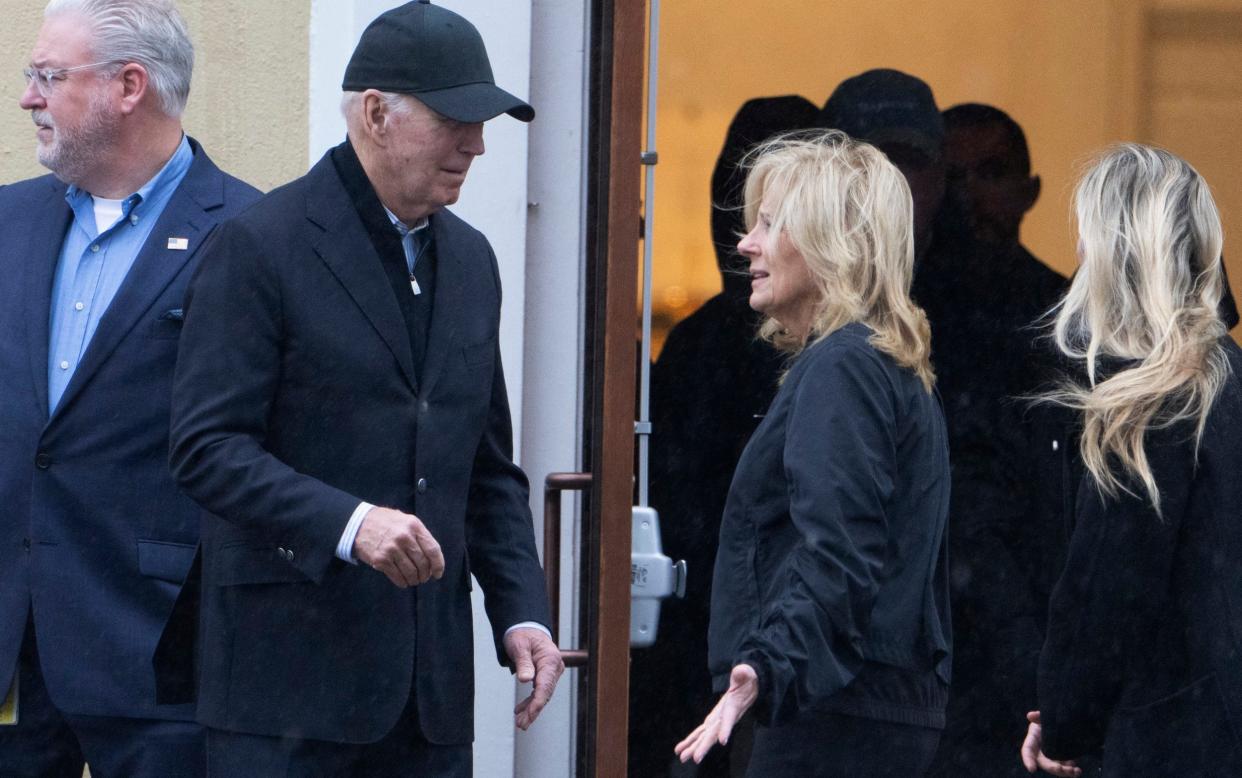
1143,656
829,612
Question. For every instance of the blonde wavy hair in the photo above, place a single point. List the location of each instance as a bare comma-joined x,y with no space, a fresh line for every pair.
1146,296
847,211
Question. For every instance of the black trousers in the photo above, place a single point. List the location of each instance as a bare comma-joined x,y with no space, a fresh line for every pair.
48,743
833,745
402,753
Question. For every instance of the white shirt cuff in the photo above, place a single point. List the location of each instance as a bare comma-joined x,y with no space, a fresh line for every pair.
345,546
530,625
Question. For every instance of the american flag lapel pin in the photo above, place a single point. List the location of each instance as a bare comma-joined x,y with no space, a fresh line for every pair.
178,244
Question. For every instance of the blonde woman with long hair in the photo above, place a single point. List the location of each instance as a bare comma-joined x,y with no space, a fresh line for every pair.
1143,655
829,615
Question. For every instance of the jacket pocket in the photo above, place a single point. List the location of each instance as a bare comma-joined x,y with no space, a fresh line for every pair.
243,564
168,325
477,354
1186,733
164,560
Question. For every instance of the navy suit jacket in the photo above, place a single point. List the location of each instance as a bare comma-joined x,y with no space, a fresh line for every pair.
94,531
295,399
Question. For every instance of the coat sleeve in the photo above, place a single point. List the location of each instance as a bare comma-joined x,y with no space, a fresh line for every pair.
228,369
500,537
839,461
1109,597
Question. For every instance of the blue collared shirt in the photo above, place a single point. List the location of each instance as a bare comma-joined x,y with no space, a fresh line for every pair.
412,242
93,265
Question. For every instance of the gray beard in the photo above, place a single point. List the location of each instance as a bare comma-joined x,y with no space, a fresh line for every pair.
73,154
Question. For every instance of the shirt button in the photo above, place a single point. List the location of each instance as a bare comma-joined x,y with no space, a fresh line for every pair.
1056,446
423,406
422,486
64,364
95,248
79,306
133,219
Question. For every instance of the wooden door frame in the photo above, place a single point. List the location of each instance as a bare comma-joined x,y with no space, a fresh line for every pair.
618,45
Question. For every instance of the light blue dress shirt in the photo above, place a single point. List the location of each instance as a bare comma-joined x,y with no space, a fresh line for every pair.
93,265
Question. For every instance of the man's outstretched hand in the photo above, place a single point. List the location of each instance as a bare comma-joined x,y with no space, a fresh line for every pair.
536,659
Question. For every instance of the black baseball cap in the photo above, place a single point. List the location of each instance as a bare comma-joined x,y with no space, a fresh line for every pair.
432,53
886,106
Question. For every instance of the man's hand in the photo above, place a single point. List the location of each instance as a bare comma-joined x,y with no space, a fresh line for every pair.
716,728
536,658
1033,756
399,546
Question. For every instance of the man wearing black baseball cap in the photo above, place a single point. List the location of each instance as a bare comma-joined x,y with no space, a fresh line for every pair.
980,305
340,413
897,113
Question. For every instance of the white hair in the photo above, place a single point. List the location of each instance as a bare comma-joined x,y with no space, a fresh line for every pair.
397,104
151,33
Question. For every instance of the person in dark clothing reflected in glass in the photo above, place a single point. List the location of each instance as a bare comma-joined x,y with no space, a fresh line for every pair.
980,302
709,388
830,591
989,174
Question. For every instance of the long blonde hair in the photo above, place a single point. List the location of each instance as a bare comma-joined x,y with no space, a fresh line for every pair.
847,211
1146,294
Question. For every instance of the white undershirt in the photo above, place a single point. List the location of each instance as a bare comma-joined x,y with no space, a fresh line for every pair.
107,213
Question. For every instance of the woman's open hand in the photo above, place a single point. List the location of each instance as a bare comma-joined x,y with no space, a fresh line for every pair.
716,728
1033,756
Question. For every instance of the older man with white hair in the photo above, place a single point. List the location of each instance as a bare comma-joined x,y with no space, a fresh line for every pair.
95,538
340,412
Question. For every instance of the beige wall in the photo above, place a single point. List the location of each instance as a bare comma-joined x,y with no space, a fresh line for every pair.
248,102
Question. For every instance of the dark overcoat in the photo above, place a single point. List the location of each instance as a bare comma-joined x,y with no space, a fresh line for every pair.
296,397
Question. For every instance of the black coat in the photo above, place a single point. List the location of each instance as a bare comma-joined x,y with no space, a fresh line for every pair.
1144,649
295,398
831,577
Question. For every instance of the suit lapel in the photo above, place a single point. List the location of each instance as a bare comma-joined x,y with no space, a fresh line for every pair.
154,269
450,301
347,251
44,241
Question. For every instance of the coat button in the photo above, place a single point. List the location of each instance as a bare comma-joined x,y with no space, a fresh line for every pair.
26,543
43,460
281,553
421,486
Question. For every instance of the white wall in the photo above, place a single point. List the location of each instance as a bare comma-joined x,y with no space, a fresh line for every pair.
555,298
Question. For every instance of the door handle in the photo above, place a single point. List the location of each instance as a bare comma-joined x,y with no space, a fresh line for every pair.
653,577
553,486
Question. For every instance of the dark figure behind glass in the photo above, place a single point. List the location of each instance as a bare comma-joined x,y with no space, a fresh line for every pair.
1011,537
980,292
709,389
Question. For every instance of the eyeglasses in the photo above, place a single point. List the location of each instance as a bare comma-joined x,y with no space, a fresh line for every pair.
46,79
